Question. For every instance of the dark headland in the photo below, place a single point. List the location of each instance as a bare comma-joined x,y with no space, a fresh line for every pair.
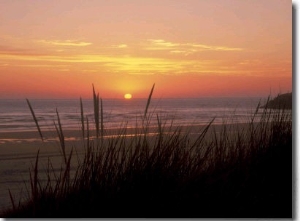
282,101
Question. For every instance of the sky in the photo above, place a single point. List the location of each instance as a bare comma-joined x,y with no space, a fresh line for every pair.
191,48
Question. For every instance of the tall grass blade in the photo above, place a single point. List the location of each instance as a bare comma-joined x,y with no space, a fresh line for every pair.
12,200
66,176
256,111
87,133
101,118
35,119
35,179
61,136
82,118
34,183
200,138
96,111
148,101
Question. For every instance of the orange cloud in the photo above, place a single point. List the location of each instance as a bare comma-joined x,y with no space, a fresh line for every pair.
74,43
185,48
215,48
121,46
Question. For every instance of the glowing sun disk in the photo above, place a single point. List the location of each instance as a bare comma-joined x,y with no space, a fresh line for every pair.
127,96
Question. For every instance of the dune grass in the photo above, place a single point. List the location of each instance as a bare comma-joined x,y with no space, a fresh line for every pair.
235,172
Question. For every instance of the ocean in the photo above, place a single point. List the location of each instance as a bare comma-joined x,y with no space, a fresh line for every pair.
15,115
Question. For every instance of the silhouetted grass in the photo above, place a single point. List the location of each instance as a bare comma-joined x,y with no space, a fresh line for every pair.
234,172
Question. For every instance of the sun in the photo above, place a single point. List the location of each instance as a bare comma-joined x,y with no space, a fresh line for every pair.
127,96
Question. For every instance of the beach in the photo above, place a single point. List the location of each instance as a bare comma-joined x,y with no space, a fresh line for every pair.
19,150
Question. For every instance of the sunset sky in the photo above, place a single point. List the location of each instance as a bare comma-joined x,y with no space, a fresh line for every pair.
192,48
